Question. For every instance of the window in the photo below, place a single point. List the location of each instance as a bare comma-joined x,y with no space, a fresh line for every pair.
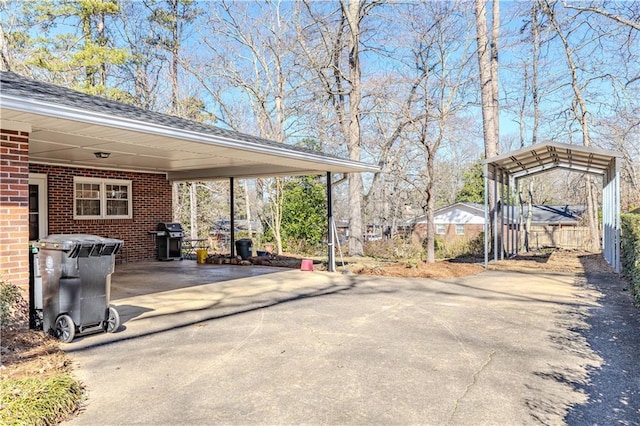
460,229
441,229
101,198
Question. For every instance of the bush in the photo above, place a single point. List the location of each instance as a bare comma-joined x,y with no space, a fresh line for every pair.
13,307
38,401
630,251
394,249
303,247
459,248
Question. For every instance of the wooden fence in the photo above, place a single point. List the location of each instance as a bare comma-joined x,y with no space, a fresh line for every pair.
568,237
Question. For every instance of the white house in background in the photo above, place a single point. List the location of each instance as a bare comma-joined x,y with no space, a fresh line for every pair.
555,226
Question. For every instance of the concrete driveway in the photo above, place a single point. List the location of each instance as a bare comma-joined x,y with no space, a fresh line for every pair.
293,347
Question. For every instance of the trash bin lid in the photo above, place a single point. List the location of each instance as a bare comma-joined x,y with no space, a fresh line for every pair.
67,242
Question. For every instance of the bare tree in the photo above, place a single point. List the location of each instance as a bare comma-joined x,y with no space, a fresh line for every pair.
630,22
262,69
488,69
443,76
5,61
334,58
581,113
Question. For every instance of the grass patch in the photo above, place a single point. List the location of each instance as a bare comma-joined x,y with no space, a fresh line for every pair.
36,382
38,401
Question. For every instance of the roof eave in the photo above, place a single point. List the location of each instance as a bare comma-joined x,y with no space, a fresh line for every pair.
122,123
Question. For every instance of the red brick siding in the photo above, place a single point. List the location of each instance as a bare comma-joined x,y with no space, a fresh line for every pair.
151,204
470,231
14,207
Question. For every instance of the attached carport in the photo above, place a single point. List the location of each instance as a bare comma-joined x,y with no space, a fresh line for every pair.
503,174
63,127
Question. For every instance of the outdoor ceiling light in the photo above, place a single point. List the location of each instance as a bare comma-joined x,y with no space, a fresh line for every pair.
102,154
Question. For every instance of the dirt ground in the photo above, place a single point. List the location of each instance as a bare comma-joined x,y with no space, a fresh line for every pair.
26,353
439,269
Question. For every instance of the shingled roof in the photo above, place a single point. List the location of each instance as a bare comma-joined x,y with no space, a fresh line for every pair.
542,214
24,99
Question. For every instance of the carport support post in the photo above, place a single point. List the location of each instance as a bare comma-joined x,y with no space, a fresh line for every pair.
495,214
486,215
330,233
232,215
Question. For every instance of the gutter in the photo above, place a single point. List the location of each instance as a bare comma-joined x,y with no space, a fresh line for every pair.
123,123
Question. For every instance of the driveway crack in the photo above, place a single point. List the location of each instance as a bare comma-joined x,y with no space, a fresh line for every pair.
474,380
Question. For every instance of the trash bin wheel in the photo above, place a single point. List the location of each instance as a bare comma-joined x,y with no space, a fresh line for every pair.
112,322
65,329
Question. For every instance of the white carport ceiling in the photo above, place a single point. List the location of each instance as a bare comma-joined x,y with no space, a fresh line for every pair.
68,127
545,156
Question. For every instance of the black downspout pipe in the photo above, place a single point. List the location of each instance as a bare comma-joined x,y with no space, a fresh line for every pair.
232,222
330,243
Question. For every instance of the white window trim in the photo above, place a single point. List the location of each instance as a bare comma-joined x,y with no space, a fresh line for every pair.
444,229
457,229
103,197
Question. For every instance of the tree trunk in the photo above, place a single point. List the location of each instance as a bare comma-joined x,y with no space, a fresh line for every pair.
88,38
488,66
521,234
193,205
429,211
352,13
534,73
527,238
175,201
5,62
580,111
175,56
102,42
276,214
247,205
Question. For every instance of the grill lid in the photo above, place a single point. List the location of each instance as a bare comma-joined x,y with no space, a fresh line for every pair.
172,230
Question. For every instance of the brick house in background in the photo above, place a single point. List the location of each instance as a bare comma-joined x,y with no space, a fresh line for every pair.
76,163
459,221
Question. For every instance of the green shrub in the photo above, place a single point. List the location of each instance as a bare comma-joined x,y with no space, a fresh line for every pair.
460,247
630,251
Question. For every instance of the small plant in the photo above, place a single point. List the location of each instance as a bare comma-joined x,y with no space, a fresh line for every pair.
38,401
393,249
412,263
12,304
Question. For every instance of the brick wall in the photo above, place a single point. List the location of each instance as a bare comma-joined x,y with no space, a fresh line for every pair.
14,207
470,231
151,204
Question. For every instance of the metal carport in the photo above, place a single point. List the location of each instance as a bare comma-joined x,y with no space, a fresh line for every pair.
506,171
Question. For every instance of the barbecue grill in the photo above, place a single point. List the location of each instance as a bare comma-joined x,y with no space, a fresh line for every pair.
169,238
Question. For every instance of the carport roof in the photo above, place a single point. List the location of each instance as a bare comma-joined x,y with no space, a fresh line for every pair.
545,156
68,127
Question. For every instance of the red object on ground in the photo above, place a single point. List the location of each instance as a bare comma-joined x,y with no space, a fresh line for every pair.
306,265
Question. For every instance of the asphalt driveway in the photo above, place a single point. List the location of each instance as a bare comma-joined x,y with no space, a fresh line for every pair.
293,347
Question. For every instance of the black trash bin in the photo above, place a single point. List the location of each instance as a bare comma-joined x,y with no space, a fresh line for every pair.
75,271
244,248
